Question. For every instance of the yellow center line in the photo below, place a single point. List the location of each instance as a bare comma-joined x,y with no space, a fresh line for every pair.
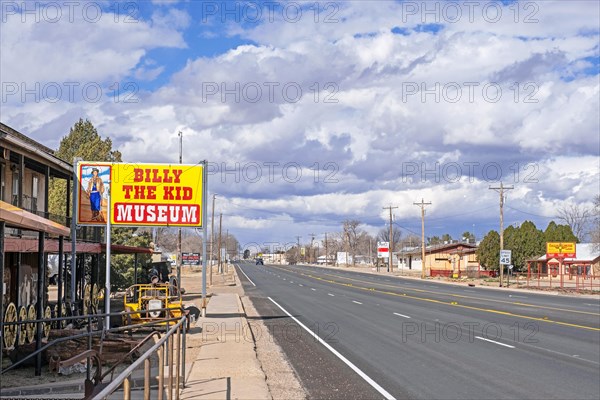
454,304
472,297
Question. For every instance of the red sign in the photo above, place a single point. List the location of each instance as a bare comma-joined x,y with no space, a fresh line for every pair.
383,249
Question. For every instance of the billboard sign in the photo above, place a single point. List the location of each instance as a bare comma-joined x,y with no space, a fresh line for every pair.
560,250
141,194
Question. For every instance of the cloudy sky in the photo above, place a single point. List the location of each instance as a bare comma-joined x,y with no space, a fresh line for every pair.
310,113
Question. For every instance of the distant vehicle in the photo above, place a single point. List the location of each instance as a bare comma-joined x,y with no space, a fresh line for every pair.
259,261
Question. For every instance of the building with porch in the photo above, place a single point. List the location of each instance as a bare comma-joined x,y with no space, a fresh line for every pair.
449,259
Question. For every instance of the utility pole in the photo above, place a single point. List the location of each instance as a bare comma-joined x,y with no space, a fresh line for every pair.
422,204
212,240
326,252
312,239
501,190
298,239
391,250
219,256
179,256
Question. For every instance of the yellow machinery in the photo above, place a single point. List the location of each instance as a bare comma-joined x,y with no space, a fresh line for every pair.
147,300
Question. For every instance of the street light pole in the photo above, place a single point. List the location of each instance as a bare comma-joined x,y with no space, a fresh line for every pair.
212,239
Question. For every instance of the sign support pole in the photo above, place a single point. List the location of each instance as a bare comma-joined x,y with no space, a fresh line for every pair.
108,243
74,216
204,235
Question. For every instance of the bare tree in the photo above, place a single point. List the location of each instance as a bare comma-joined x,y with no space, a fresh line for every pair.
595,225
352,233
577,217
384,236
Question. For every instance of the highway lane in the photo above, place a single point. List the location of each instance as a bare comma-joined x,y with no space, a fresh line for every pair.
417,344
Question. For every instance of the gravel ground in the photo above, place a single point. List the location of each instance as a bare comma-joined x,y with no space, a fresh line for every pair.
282,381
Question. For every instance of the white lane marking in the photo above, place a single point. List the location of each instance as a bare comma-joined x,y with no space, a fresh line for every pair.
313,289
331,294
291,281
401,315
247,276
300,284
520,297
588,304
370,381
357,302
493,341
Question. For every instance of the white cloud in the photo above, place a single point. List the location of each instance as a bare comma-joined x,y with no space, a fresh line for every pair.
374,127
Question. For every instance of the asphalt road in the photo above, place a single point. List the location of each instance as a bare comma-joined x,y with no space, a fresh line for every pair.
406,338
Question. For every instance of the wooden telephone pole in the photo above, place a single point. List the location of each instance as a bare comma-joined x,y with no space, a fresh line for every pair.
501,190
391,250
422,204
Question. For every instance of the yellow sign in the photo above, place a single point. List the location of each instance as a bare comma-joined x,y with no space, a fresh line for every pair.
560,249
140,194
156,194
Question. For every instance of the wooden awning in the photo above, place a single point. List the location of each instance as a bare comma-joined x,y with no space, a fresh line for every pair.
16,217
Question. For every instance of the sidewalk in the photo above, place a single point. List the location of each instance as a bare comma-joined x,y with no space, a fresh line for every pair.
226,365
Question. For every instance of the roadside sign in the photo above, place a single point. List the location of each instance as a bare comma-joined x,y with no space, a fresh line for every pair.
560,250
190,258
383,249
140,194
505,256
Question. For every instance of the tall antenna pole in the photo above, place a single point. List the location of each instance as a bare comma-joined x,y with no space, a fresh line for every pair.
422,204
501,190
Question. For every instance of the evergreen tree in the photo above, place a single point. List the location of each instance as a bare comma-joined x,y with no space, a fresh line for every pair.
525,242
488,252
559,233
82,141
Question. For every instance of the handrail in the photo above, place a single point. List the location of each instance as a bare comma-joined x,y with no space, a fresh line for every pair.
123,376
82,335
140,344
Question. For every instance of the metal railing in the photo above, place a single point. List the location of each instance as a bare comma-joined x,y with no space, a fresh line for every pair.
178,330
173,343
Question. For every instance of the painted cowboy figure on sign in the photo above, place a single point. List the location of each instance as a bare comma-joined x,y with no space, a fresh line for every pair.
95,190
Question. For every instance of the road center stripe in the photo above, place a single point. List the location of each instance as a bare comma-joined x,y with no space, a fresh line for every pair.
493,341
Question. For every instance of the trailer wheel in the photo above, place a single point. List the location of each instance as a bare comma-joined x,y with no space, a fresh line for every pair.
21,335
10,331
46,328
87,299
95,296
30,326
